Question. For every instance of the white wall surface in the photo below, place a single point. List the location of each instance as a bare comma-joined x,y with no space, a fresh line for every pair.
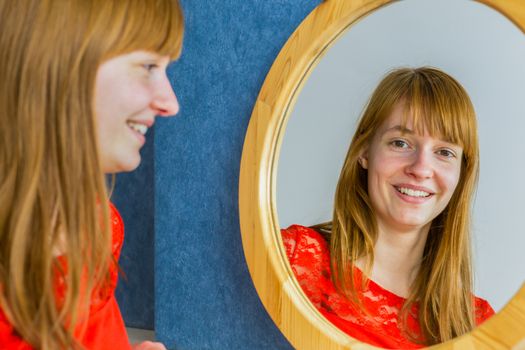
473,43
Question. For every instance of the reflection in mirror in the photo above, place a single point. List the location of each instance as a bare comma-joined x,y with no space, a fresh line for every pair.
485,58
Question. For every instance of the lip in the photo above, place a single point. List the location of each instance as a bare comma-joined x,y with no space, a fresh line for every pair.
415,187
141,138
147,122
410,199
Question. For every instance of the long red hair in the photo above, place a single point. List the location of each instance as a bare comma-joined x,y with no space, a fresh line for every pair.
443,287
52,188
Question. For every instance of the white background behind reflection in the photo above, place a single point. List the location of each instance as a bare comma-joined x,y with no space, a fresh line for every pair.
473,43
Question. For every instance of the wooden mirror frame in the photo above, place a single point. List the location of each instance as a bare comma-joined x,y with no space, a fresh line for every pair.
272,275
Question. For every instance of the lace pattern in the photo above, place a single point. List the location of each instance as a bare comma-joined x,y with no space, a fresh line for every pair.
309,258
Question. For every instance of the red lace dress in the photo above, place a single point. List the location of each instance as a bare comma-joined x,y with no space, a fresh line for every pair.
309,257
104,327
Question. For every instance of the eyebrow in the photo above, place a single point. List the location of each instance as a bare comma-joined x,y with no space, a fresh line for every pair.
148,55
401,129
405,130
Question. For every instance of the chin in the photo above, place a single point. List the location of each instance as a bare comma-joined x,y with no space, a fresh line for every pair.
128,169
413,222
130,166
123,166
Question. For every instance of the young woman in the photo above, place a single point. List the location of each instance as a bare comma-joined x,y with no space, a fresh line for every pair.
82,81
393,267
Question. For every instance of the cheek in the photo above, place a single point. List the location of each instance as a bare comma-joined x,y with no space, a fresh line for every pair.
119,106
106,104
118,99
381,172
450,180
103,114
385,166
134,99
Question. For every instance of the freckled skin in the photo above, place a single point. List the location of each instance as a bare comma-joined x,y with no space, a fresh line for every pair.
131,87
396,158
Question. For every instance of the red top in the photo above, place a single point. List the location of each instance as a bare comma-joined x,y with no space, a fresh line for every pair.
309,257
105,328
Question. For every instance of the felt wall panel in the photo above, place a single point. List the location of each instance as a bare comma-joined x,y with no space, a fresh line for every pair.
134,197
204,296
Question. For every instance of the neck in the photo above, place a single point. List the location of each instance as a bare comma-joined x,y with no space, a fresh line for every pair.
397,258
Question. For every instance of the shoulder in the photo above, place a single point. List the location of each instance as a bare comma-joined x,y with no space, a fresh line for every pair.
309,258
300,240
117,224
101,296
9,338
483,310
307,251
117,230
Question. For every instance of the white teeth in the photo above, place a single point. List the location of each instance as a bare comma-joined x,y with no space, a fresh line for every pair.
412,193
140,128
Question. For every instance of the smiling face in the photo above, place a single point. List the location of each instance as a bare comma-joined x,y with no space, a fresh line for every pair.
411,176
130,90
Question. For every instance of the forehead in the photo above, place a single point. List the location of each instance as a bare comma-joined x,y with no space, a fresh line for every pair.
138,55
400,120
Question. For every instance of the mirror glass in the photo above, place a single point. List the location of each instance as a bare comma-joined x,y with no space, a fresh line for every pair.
475,44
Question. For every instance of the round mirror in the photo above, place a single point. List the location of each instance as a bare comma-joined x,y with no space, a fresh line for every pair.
479,47
313,136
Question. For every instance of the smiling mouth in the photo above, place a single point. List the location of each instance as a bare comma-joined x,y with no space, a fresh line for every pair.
140,128
412,193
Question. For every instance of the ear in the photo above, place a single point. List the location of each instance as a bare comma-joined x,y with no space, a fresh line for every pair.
363,158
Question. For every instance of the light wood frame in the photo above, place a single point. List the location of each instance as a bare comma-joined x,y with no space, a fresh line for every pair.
273,278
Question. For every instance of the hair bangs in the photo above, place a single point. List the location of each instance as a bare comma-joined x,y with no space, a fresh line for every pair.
161,28
441,107
433,103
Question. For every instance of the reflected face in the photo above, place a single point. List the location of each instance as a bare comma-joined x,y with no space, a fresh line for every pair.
411,177
130,90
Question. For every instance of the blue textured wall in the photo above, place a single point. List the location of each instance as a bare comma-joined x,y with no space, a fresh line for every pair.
134,197
186,190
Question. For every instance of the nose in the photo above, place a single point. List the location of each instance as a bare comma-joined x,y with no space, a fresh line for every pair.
420,166
165,102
